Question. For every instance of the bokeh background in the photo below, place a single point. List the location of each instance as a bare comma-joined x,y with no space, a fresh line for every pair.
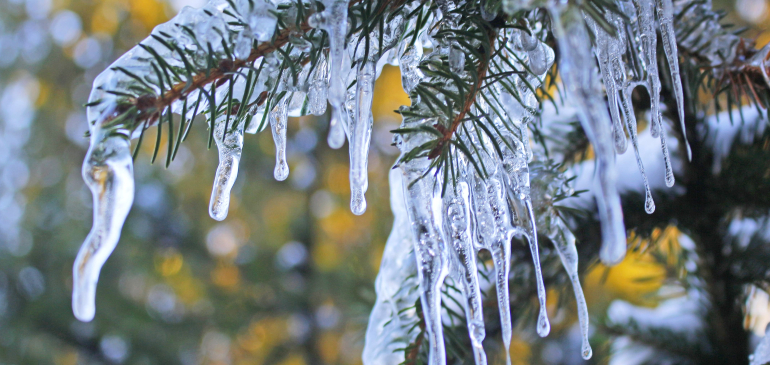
287,278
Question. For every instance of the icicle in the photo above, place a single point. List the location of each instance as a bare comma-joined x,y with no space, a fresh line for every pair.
564,242
278,124
577,69
334,20
649,40
430,251
608,54
666,19
666,160
459,233
394,314
360,135
630,117
230,145
108,172
493,232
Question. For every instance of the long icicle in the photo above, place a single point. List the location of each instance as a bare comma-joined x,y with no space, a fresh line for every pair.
630,117
360,136
488,230
458,229
666,19
334,20
278,119
564,242
108,171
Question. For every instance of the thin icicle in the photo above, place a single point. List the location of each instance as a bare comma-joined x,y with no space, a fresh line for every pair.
458,229
108,172
578,70
607,51
564,241
278,118
318,88
230,145
334,20
628,115
666,19
360,135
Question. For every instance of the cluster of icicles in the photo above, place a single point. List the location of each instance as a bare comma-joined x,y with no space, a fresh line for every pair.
438,235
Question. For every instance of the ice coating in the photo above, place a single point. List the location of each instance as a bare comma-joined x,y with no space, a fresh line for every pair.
108,172
360,135
394,313
580,79
229,145
431,254
278,119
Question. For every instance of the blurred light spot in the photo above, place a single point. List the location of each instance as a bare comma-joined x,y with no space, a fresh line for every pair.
552,353
114,348
752,11
31,282
17,103
10,49
66,28
303,174
290,255
162,300
222,240
151,197
168,262
327,316
20,244
15,174
87,53
216,346
305,140
38,9
298,327
321,204
33,38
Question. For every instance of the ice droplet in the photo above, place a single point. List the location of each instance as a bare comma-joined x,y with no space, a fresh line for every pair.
230,146
108,172
278,118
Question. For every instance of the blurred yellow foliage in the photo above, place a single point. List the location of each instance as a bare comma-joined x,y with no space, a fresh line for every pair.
388,94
